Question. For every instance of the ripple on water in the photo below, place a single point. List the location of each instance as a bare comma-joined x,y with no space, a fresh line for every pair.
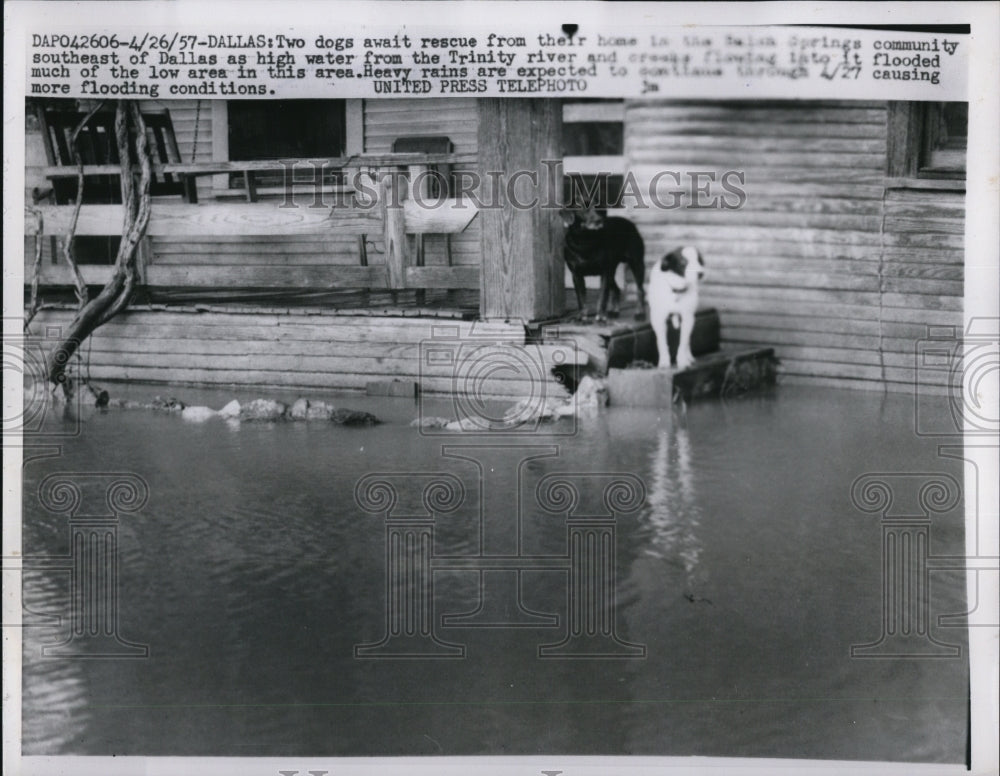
252,574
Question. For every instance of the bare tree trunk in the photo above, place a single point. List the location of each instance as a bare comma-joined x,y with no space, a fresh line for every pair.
115,296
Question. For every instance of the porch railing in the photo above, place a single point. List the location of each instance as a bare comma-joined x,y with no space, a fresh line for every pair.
392,214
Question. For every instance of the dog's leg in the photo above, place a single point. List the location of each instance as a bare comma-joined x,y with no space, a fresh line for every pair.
659,323
607,281
615,296
639,276
684,357
580,286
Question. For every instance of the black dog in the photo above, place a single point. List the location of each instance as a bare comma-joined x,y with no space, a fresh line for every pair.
596,245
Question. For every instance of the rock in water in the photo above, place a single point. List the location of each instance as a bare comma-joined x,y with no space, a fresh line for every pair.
300,409
530,411
431,422
319,410
263,409
468,424
231,410
169,405
198,414
353,418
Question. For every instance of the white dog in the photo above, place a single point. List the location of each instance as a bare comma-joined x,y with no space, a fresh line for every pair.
673,301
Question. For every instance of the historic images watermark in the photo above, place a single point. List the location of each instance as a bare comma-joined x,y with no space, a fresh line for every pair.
44,414
966,368
967,365
94,503
502,450
429,187
416,618
484,369
906,502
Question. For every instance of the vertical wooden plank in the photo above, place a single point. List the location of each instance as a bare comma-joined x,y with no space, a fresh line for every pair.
143,258
220,141
250,183
522,266
354,141
903,139
417,188
395,233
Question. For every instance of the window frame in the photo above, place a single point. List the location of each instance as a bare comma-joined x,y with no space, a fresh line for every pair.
353,144
606,111
909,144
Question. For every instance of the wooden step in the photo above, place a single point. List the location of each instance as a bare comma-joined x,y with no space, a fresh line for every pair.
617,343
727,373
717,375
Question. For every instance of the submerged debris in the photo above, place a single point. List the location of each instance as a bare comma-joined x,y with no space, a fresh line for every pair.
591,394
353,418
319,410
198,414
231,410
432,421
168,405
299,410
262,410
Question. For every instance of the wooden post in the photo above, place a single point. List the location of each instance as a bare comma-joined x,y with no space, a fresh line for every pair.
522,272
143,258
395,233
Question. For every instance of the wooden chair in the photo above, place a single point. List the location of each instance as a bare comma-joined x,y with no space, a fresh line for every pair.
97,146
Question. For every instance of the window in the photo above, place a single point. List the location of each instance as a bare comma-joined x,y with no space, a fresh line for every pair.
593,152
928,140
247,130
946,135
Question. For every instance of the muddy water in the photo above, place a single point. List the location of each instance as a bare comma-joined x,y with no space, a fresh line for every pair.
743,579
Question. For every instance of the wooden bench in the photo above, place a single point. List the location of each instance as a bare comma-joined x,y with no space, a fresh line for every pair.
388,213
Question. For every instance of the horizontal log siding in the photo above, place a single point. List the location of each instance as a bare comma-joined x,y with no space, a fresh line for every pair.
281,349
383,122
239,253
841,276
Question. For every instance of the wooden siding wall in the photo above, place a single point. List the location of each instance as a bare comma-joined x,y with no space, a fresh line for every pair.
383,122
301,349
840,274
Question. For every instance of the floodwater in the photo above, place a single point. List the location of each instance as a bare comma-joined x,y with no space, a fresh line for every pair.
740,584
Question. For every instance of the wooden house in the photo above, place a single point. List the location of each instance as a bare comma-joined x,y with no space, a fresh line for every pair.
832,231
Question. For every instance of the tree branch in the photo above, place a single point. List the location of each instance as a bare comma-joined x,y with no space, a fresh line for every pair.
136,205
81,286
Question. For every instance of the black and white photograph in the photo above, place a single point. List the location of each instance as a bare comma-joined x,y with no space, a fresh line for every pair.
570,386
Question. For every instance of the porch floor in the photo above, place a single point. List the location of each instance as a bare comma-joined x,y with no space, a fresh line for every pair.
460,304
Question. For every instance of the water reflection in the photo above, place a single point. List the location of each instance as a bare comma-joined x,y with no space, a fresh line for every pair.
675,511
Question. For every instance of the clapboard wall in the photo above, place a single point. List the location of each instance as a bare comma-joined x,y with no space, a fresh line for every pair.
310,349
827,260
839,272
383,122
